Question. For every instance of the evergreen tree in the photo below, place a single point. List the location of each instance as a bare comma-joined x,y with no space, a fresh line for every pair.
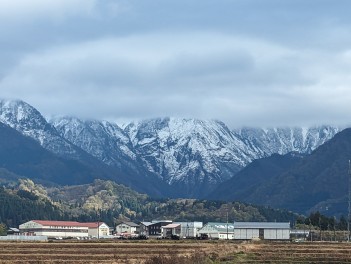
3,229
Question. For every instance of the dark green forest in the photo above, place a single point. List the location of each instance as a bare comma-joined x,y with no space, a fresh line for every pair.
18,208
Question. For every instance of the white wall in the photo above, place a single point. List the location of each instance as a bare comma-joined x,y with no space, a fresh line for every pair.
123,228
103,231
228,235
54,231
62,234
244,233
276,234
189,229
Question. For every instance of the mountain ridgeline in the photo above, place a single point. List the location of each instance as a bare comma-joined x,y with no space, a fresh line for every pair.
164,157
317,182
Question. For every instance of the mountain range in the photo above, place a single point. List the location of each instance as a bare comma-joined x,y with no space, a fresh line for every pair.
169,157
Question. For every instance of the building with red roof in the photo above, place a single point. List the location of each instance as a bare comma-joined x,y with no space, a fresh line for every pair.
64,229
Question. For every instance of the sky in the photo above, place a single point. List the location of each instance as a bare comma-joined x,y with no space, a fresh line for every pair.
244,62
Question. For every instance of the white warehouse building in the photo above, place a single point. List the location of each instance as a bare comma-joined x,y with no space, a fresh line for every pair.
247,230
189,229
64,229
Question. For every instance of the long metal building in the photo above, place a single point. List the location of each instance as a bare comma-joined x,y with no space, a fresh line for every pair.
247,230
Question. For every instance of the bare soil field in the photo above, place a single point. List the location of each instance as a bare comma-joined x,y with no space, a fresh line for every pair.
131,252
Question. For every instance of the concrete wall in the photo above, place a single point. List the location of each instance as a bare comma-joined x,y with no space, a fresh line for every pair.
23,238
61,234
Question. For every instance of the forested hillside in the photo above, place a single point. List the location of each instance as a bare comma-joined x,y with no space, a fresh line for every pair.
19,206
110,202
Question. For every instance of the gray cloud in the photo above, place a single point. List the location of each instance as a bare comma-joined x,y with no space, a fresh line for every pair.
249,62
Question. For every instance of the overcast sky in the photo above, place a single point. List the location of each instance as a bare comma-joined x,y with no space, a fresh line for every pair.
245,62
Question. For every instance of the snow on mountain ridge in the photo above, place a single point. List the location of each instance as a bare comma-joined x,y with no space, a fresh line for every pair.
268,141
27,120
194,153
190,154
104,140
175,148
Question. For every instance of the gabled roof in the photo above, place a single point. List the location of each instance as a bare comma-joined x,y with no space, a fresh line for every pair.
190,224
248,225
146,223
171,226
13,229
267,225
59,223
161,221
131,224
94,224
68,223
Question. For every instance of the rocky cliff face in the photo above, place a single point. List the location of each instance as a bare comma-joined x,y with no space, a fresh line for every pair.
266,142
191,156
196,155
28,121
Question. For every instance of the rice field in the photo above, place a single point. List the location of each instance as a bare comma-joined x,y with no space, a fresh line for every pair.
131,252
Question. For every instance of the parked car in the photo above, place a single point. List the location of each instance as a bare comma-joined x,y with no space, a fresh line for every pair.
175,237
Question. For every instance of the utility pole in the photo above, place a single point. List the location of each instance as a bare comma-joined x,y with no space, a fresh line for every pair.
98,224
349,215
227,226
187,230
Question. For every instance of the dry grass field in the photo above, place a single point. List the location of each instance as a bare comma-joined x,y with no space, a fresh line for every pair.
159,252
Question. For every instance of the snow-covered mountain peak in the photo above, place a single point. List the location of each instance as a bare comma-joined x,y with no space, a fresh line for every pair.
191,155
188,150
21,116
68,125
102,139
267,141
29,121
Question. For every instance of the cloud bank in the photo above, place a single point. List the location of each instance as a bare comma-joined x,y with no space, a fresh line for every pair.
243,62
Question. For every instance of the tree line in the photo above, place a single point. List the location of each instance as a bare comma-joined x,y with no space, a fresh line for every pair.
322,222
17,207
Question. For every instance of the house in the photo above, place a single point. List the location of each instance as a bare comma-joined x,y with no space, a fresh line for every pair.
155,228
13,231
144,228
247,230
127,227
171,230
64,229
98,229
